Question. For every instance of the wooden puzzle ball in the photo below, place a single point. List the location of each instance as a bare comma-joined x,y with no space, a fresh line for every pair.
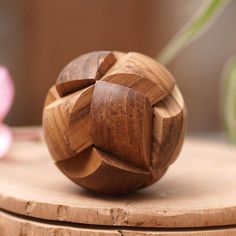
114,122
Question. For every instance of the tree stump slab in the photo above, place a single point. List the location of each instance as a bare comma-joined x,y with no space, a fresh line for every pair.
197,196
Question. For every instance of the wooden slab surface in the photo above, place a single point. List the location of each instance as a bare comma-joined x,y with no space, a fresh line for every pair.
199,190
12,225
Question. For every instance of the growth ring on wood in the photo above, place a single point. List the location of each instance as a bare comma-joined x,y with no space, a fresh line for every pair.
114,122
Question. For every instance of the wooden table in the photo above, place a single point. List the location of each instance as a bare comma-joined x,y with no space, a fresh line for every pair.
197,196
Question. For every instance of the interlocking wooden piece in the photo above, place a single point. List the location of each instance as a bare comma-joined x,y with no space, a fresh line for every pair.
114,122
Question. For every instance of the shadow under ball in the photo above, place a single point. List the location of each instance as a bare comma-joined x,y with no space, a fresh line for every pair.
114,122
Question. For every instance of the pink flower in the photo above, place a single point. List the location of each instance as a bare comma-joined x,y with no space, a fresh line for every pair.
6,99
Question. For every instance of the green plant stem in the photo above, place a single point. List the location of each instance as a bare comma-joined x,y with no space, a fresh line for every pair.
192,30
229,98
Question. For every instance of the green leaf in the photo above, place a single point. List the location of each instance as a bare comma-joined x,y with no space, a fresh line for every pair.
192,30
229,98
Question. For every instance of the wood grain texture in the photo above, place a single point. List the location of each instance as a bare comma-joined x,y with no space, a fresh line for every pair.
93,169
84,71
52,96
15,225
169,129
143,74
125,106
199,191
59,120
121,123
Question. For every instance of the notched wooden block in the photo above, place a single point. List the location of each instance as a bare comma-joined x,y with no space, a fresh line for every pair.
114,121
142,73
84,71
121,123
96,170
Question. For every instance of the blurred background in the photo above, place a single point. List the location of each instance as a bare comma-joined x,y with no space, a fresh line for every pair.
38,38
